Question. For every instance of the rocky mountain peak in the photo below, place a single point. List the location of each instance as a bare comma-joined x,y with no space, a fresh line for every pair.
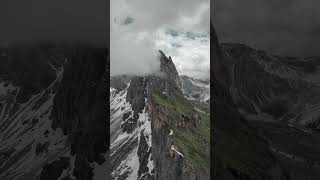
168,69
144,110
220,76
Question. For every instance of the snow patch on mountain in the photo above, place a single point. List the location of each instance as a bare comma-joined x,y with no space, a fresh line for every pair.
118,107
175,150
171,132
127,143
27,132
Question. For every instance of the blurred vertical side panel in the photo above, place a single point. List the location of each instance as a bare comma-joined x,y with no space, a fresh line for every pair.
264,122
54,81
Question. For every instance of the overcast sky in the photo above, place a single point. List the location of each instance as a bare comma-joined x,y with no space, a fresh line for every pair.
139,28
57,20
287,27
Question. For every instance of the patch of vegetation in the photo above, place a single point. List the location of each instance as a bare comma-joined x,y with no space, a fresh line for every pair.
177,104
194,142
194,145
201,105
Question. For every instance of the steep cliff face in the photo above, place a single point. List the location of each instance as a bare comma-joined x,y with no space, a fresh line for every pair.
172,113
273,87
265,86
238,151
79,107
220,77
150,122
50,97
168,69
271,115
130,125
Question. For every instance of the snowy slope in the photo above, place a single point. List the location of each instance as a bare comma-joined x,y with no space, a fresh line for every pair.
27,141
150,118
39,88
129,130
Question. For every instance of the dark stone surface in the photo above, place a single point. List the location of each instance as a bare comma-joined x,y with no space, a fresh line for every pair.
169,70
130,124
80,104
137,93
79,108
228,125
83,170
258,82
119,82
10,159
52,171
40,148
28,67
143,153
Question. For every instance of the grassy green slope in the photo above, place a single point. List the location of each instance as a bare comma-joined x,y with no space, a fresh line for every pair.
192,142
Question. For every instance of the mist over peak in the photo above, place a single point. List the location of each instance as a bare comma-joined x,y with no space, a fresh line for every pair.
179,28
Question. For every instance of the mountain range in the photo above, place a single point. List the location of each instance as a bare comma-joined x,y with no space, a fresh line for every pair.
258,117
156,132
265,114
53,123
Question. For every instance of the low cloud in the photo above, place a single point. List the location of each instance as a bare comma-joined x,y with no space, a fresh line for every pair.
190,52
140,28
132,53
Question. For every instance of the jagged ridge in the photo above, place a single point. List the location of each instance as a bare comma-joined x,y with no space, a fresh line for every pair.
167,110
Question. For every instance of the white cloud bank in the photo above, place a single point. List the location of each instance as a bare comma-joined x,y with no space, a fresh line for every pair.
180,28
